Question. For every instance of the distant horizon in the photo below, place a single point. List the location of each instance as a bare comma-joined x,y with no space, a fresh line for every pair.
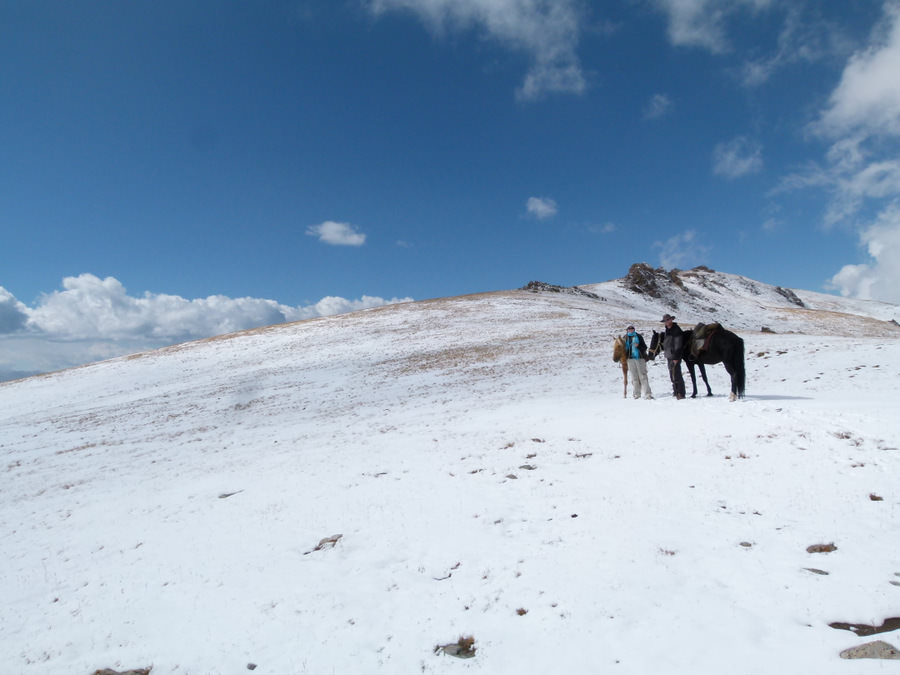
130,324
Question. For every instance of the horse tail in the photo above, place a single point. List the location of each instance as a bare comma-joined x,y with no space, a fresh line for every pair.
740,377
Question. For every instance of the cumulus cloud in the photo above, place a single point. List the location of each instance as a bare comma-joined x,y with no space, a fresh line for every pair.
337,234
880,279
92,308
541,207
681,250
738,157
13,314
93,318
658,106
546,30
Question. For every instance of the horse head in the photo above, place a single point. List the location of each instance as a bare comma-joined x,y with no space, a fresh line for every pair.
618,349
656,344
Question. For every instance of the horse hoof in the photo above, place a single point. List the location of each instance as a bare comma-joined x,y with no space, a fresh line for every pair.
693,395
710,394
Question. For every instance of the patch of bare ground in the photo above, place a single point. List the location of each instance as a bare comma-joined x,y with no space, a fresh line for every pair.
77,448
827,322
872,650
326,543
452,358
865,629
821,548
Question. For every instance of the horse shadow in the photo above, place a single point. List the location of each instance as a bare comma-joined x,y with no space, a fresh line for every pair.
778,397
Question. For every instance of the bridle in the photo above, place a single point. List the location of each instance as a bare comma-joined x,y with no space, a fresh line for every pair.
653,352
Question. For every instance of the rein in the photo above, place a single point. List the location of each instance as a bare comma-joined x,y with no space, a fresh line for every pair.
653,352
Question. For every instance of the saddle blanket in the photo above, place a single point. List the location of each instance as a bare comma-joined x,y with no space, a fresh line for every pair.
703,333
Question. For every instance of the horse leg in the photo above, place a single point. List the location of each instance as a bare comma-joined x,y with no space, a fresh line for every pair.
733,396
705,380
690,365
625,377
740,379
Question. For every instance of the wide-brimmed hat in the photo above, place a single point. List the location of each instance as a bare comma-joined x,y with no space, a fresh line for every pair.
666,317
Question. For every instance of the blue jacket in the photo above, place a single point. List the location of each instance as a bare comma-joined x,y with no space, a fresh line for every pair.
635,347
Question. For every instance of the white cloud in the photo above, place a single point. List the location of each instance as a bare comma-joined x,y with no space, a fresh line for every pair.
880,279
805,37
606,228
867,99
337,234
696,23
853,178
702,23
682,251
658,106
93,318
541,207
546,30
331,305
738,157
94,308
861,171
13,314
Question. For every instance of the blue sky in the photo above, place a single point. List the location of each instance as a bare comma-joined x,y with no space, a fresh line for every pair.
169,170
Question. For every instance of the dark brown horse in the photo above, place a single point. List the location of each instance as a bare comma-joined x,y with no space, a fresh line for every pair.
721,346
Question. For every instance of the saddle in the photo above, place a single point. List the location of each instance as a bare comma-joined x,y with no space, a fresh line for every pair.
703,333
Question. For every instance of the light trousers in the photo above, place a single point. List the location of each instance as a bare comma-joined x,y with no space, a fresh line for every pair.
637,371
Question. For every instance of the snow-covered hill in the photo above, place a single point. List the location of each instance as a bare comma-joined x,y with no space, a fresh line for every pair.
705,295
486,479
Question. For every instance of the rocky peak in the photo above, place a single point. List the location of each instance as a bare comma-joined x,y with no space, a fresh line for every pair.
657,283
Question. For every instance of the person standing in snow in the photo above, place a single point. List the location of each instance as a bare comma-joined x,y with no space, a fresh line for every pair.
673,345
636,355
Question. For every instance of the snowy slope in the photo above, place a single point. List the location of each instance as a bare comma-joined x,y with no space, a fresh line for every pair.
487,479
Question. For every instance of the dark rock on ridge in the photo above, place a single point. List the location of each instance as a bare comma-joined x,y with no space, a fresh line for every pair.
543,287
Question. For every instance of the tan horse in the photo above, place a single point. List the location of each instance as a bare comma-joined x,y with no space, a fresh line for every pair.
619,357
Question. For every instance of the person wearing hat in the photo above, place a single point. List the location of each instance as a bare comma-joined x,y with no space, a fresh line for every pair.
673,346
636,358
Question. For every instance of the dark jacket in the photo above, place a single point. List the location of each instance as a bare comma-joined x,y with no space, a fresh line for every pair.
673,342
641,346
